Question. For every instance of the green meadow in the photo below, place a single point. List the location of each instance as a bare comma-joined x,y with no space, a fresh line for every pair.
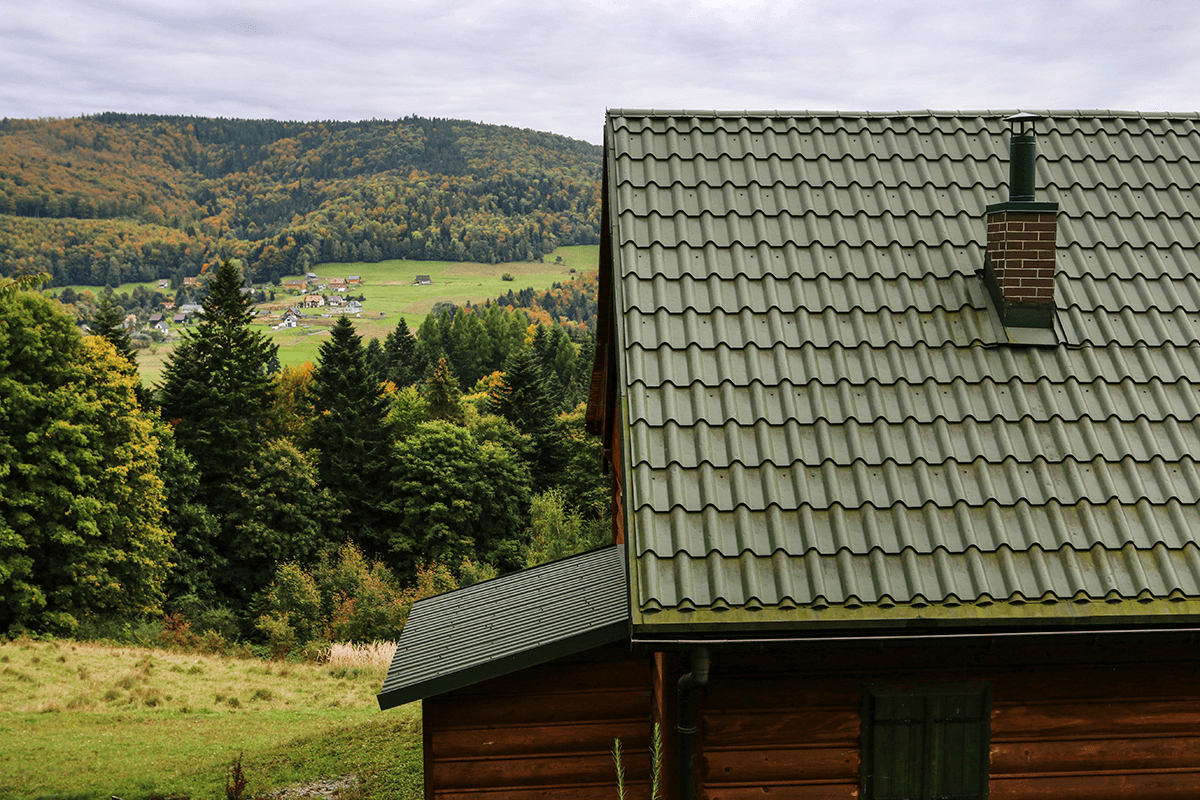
86,721
389,293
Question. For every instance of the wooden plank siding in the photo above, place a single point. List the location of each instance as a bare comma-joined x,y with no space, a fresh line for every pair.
1096,721
544,732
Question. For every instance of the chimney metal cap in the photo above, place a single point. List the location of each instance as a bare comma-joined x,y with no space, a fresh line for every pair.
1021,119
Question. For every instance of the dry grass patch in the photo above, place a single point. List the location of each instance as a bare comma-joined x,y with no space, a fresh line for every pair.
105,677
376,655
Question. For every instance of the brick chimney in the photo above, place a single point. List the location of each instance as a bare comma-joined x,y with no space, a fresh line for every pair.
1018,269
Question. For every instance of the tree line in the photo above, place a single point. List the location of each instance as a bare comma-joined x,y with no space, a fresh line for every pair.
117,197
285,505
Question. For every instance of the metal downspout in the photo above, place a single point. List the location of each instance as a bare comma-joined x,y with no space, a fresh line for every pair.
686,726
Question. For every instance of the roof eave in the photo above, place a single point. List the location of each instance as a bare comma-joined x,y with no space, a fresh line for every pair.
834,620
507,665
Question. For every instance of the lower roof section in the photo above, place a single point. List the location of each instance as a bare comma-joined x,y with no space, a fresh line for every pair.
509,623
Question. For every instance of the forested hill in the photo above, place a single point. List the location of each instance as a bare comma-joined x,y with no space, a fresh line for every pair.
119,197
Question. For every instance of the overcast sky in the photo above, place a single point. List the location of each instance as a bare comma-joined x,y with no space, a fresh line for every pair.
556,66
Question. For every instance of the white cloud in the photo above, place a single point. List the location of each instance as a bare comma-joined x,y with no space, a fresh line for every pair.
557,66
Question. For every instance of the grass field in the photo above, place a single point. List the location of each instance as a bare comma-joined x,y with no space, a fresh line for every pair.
389,295
80,721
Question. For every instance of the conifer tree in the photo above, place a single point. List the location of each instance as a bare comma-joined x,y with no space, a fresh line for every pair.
351,436
443,395
108,322
399,356
216,391
375,360
524,401
218,396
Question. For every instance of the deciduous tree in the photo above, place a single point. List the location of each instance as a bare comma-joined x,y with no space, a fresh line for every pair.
81,502
459,497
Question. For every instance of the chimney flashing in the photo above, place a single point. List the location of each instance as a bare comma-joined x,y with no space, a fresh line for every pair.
1022,205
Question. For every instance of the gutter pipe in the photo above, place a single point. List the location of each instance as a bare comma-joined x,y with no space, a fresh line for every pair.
686,726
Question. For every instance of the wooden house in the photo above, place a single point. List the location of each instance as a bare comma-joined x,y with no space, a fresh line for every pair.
903,414
422,280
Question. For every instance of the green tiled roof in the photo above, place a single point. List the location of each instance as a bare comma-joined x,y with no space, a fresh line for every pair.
826,424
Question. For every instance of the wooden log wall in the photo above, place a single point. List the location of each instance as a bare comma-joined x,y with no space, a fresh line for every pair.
1102,721
544,732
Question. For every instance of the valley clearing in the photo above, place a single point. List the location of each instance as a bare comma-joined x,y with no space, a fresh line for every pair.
84,721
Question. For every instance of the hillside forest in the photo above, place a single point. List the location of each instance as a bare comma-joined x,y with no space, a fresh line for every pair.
237,501
118,198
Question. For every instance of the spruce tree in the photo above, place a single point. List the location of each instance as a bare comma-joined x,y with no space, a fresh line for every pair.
443,395
375,359
524,401
216,391
218,396
108,322
351,436
399,356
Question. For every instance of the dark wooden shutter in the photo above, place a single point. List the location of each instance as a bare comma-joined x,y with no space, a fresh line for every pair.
925,743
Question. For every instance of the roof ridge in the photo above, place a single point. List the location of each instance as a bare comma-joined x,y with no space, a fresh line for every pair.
939,113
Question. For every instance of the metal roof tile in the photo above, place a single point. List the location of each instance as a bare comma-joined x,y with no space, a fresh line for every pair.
1006,575
821,404
777,364
888,484
908,442
924,402
956,529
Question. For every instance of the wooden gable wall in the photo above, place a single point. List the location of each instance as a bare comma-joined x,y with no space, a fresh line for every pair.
1101,721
